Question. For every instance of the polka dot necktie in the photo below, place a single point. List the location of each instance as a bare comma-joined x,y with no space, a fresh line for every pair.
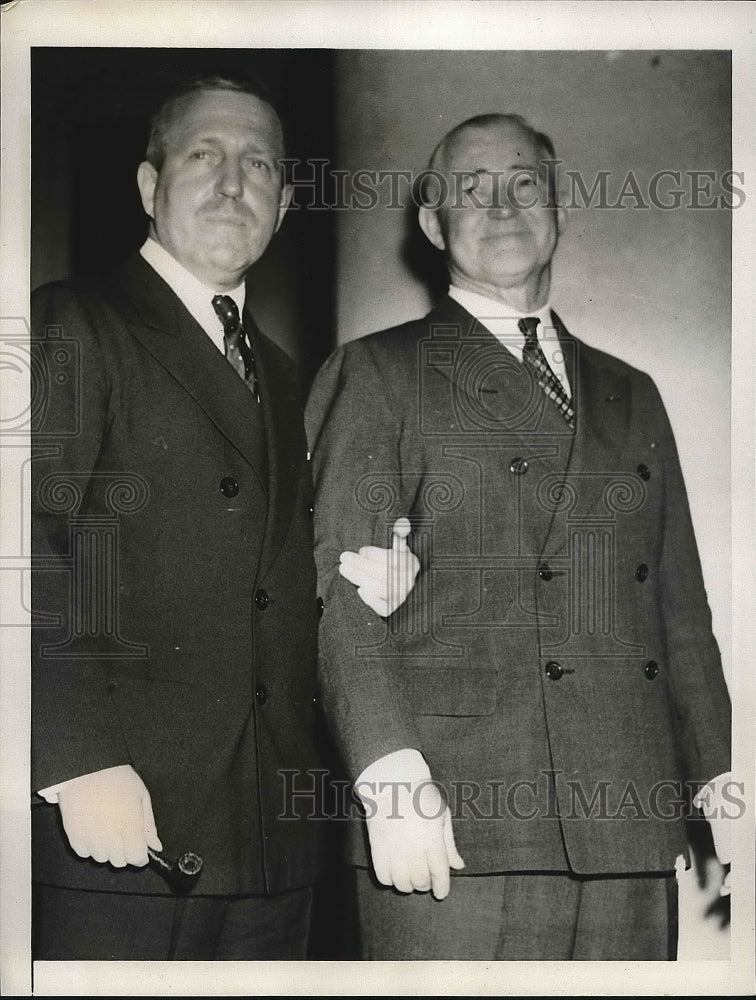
533,356
237,349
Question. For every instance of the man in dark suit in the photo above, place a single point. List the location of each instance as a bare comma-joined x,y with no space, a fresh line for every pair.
174,651
536,716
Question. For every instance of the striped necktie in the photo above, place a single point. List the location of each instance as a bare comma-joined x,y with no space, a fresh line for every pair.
534,357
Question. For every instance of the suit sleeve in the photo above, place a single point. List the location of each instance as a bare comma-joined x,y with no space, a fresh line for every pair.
355,438
701,697
74,729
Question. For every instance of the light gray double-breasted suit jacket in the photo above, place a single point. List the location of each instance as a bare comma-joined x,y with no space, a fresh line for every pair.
555,663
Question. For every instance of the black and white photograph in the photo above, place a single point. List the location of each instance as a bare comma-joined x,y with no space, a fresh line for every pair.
378,460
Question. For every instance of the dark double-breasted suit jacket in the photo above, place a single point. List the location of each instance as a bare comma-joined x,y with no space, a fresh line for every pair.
555,663
174,587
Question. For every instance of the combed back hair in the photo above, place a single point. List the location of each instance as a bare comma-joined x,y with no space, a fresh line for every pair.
540,139
163,117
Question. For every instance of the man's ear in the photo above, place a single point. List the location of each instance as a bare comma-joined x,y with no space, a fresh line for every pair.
147,177
561,218
430,223
557,200
283,203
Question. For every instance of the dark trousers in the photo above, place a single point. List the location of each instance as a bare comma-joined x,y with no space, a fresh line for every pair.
522,917
79,925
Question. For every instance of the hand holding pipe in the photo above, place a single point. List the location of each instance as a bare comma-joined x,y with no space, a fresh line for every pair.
180,874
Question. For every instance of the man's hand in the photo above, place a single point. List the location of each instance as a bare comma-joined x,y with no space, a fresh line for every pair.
413,848
409,825
713,803
107,815
384,577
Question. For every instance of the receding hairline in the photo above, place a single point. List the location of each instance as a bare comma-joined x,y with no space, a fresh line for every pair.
184,103
488,121
176,104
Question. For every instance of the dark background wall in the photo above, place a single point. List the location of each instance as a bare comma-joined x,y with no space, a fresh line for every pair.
90,115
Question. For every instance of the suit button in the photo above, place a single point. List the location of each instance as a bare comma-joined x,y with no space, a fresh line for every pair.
229,486
651,669
311,511
641,573
315,701
518,466
545,572
320,606
261,694
644,472
554,670
262,600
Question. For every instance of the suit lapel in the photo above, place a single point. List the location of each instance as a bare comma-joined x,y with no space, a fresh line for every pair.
493,392
162,324
602,414
512,410
482,397
284,431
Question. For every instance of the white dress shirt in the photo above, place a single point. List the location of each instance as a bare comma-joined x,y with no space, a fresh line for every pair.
197,298
501,320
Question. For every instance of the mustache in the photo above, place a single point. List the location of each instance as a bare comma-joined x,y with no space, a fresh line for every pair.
504,233
227,212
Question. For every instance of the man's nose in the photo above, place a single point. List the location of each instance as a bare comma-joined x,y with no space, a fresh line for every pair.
502,203
230,181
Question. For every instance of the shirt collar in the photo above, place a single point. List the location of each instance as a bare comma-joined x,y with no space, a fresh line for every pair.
502,320
196,296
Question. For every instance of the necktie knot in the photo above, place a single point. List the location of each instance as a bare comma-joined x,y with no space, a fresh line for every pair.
528,326
227,312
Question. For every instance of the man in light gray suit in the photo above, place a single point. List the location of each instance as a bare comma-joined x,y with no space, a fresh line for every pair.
555,672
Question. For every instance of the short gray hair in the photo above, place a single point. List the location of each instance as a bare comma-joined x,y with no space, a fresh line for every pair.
494,118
